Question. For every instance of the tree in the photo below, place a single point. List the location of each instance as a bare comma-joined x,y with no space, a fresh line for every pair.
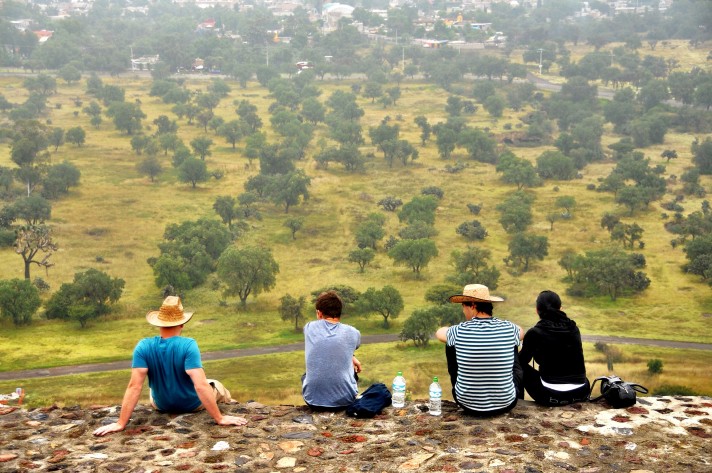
517,171
189,252
669,154
420,207
495,105
294,224
292,310
127,116
628,234
414,253
566,202
246,271
611,272
372,90
516,214
288,189
362,257
702,156
555,165
473,265
30,240
59,179
655,366
370,231
419,327
56,137
193,170
33,210
19,300
89,296
425,128
76,135
313,111
232,131
417,230
526,247
70,74
150,166
479,145
224,206
388,302
201,146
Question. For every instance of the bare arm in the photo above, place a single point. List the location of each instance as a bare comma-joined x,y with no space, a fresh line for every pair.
357,364
133,392
441,334
207,398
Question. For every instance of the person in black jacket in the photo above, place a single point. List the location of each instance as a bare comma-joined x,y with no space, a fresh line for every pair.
554,343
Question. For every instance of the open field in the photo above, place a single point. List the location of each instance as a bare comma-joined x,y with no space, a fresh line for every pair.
115,218
274,379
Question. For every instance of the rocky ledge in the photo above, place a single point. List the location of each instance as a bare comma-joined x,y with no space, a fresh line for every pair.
659,434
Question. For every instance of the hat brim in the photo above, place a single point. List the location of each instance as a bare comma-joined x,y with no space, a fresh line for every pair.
459,298
152,318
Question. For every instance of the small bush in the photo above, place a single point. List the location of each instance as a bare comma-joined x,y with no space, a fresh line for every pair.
591,187
655,366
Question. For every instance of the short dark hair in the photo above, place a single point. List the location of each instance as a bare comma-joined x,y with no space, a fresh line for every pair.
329,304
484,307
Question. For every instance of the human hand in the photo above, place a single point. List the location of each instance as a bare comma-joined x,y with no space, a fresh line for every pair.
232,420
108,429
357,364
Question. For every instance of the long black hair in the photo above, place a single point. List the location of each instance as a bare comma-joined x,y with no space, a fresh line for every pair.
548,306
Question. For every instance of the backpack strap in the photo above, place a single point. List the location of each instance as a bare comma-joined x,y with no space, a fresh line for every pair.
603,393
638,388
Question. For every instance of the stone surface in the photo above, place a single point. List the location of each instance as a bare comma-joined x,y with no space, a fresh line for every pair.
660,434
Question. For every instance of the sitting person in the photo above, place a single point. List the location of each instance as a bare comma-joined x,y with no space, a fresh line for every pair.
175,372
330,381
482,355
554,343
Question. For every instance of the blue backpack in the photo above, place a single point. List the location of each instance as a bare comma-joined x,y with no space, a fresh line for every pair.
371,402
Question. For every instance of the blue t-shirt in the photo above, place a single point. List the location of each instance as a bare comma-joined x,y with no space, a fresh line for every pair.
167,360
485,357
328,351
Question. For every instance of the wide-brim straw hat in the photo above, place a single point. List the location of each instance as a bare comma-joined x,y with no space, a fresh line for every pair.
474,293
170,314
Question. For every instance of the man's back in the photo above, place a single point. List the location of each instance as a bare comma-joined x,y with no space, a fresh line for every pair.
167,360
485,354
329,349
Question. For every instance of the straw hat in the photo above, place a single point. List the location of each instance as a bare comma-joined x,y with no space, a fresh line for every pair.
475,293
170,314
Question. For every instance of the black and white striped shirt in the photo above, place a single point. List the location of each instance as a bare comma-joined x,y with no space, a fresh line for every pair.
485,356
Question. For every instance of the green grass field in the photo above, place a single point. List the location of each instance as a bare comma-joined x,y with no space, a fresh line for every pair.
115,218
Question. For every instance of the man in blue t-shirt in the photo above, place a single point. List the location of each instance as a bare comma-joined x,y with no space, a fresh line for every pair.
175,373
482,355
329,346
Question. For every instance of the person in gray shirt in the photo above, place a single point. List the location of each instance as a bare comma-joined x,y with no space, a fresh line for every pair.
330,381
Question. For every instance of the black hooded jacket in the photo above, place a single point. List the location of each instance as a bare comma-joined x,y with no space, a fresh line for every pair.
555,345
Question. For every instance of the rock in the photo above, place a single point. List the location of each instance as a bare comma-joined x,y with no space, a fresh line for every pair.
290,446
415,462
298,435
286,462
7,457
303,419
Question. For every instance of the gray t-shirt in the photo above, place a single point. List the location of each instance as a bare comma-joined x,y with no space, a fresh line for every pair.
328,352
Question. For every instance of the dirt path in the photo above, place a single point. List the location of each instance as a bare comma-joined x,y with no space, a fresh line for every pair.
366,339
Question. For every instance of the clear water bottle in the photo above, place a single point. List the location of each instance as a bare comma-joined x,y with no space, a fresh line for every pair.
436,398
398,386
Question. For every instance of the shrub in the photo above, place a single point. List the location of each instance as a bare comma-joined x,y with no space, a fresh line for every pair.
655,366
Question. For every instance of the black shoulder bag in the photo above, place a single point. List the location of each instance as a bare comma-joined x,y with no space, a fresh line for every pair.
616,392
371,402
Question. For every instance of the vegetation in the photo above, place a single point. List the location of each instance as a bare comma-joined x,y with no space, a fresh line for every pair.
302,145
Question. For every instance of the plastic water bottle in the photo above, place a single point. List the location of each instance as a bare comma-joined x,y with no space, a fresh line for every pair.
436,396
398,386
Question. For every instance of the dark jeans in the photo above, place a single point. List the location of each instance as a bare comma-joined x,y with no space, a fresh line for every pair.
550,397
517,375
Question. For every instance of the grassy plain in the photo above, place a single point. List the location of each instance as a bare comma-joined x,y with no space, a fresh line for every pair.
275,378
115,218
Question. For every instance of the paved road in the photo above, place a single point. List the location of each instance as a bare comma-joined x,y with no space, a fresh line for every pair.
366,339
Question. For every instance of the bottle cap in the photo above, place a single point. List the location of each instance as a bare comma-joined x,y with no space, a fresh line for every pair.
435,379
400,373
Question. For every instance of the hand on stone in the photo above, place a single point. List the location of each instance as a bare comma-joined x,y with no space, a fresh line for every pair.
232,420
107,429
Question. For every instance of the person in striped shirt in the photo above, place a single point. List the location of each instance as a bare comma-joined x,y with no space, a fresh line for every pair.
482,355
